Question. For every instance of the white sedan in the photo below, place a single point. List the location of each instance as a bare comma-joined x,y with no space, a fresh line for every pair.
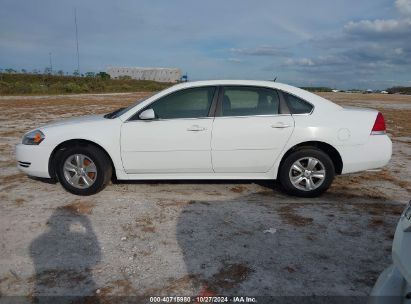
212,130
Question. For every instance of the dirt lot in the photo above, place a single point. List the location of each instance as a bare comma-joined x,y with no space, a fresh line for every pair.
181,238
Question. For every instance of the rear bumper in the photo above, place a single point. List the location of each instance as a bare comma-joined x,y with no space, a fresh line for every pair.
375,153
33,160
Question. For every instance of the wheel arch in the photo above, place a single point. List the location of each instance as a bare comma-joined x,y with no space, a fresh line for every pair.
323,146
70,143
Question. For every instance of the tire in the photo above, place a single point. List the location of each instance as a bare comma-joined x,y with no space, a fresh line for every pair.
90,177
299,176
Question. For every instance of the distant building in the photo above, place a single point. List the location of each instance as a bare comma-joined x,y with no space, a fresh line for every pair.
155,74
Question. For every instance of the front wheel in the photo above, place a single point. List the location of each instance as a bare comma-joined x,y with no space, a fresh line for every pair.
307,172
83,170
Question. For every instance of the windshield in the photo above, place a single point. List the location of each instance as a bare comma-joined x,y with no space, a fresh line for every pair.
121,111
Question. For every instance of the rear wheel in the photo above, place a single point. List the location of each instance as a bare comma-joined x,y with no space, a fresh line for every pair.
83,170
307,172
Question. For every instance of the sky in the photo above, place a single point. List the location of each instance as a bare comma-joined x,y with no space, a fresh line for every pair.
343,44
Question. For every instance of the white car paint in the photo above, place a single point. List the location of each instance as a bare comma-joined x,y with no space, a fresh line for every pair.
249,147
243,145
153,147
394,283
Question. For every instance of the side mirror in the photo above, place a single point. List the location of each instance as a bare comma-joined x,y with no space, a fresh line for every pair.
147,114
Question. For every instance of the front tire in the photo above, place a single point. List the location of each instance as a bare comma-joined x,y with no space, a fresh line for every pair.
307,172
83,170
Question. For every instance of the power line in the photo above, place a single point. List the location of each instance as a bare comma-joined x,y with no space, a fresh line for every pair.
78,54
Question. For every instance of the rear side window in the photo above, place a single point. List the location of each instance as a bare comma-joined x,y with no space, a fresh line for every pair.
297,105
188,103
248,101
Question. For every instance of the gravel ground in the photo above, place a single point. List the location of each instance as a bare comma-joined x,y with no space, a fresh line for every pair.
181,238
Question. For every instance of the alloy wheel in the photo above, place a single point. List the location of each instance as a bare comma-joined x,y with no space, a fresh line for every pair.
307,173
80,171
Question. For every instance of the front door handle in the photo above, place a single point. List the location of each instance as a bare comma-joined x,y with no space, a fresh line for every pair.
196,128
280,125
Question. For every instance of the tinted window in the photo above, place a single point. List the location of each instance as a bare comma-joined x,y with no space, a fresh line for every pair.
297,105
188,103
245,101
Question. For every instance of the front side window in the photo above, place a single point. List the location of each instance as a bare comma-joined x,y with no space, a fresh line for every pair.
188,103
297,105
248,101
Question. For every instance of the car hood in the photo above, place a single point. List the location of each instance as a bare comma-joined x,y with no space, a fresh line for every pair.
74,121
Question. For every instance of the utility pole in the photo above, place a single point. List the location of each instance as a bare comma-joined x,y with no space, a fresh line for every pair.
51,64
78,54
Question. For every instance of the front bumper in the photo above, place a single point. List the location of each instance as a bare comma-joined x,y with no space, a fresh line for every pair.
33,160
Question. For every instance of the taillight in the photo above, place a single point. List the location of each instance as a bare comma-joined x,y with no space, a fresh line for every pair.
379,125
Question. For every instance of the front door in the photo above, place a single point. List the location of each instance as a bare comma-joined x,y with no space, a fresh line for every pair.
250,133
177,140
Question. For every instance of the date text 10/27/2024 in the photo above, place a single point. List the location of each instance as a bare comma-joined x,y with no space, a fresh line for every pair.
200,299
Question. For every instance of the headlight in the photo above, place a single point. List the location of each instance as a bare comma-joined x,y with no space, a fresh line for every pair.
33,138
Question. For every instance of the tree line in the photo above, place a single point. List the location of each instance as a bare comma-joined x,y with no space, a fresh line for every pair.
13,83
49,71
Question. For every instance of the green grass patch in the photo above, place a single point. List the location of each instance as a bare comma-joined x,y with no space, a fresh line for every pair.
36,84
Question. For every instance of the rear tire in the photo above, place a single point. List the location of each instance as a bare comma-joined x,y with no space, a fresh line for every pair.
83,170
307,172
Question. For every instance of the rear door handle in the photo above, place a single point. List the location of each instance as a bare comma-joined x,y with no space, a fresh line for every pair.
280,125
196,128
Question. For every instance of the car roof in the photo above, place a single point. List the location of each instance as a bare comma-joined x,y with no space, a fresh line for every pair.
260,83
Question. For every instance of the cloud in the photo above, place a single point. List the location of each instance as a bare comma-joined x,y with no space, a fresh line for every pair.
379,28
261,51
404,6
398,51
300,62
392,29
366,52
297,39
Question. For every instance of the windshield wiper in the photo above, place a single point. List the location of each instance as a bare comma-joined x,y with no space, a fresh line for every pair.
113,114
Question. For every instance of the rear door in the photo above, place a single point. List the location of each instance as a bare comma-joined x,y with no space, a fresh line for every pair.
249,131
